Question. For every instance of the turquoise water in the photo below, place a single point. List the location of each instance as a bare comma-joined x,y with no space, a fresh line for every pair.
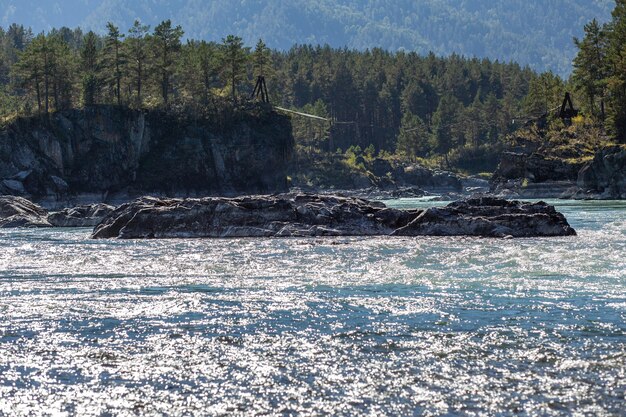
349,326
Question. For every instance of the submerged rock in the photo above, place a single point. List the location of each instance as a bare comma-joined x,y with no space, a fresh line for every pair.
19,212
80,216
318,215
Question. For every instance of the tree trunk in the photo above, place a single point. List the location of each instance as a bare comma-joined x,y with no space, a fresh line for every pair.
233,86
55,93
117,75
46,83
139,85
38,88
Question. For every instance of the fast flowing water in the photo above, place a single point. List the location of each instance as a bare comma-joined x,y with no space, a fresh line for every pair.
349,326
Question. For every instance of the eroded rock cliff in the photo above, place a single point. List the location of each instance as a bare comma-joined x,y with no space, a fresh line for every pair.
107,149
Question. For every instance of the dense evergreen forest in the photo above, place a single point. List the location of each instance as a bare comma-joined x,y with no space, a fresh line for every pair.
396,102
454,110
530,32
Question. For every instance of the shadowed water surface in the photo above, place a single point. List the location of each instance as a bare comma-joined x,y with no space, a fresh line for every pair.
349,326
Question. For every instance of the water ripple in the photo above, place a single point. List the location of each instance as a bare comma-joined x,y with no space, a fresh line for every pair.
340,326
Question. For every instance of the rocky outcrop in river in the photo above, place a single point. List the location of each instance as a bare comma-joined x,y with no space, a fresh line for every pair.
318,215
108,150
19,212
80,216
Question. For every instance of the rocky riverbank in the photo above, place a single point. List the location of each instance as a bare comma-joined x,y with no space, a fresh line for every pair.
304,215
605,176
601,178
575,162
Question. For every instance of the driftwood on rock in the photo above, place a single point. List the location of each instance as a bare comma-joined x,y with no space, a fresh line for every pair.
302,215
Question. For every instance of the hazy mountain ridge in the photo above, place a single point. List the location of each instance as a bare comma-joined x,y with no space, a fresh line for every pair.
531,32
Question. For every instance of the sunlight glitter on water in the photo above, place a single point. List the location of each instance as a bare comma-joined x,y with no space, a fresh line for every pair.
395,326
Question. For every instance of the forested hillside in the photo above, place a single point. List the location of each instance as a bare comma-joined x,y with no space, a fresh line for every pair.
453,111
403,103
533,32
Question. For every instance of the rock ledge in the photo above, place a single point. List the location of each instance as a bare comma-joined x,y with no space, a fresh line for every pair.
304,215
19,212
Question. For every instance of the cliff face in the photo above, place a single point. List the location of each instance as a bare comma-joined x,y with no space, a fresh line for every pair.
107,149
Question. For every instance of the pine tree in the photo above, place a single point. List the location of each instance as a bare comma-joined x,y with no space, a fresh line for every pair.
198,69
413,139
590,65
62,71
114,59
616,56
137,47
446,124
29,69
167,41
261,61
234,57
90,68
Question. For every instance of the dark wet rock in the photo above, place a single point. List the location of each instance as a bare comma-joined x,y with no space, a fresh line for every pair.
489,216
80,216
522,175
381,167
322,215
605,176
19,212
13,187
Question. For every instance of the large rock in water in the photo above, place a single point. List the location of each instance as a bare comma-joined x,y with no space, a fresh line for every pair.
80,216
19,212
317,215
491,217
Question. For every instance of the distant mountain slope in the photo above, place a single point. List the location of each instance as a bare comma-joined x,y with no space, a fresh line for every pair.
534,32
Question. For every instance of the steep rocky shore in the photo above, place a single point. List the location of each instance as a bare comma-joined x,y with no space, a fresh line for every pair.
105,151
577,161
304,215
534,176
